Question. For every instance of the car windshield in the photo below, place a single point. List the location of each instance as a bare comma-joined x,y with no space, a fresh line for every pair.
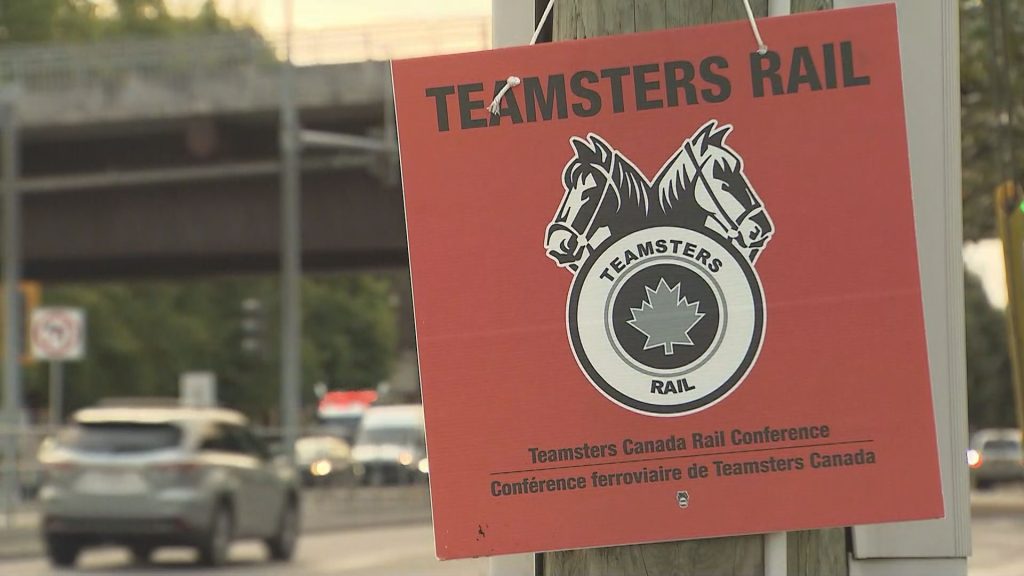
386,436
1002,446
120,437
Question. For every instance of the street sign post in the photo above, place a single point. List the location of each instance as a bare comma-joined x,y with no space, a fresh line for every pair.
660,295
57,335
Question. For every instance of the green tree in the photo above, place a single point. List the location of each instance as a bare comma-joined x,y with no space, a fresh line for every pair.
82,20
990,80
143,335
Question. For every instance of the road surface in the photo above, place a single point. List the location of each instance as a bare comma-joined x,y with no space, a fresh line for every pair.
997,529
406,550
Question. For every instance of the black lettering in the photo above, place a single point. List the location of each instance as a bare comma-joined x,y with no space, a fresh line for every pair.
765,67
581,91
829,51
607,276
709,75
645,249
661,246
466,106
703,256
617,265
547,101
850,77
630,257
643,87
616,75
689,250
440,95
715,265
802,71
511,108
684,81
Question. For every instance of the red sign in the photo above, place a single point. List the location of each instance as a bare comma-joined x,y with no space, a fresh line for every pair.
671,291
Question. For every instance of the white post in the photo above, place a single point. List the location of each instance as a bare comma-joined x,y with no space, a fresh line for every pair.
930,51
56,393
291,248
9,163
512,24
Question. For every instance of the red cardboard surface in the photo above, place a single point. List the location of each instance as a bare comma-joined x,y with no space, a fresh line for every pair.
765,371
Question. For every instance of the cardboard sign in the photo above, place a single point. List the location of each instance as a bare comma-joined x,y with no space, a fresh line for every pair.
672,290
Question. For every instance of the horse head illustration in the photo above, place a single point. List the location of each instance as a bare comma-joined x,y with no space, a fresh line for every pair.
703,184
605,197
701,187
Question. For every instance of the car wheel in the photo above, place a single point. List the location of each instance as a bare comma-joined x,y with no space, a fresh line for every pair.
213,551
282,544
62,551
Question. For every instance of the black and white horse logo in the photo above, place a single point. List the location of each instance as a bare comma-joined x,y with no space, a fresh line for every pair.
666,312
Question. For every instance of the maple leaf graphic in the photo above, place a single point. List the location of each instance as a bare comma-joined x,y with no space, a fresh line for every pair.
665,318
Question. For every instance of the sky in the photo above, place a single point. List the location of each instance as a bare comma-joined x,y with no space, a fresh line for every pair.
985,259
268,15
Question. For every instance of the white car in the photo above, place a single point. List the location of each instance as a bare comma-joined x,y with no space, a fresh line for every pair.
391,447
151,477
995,456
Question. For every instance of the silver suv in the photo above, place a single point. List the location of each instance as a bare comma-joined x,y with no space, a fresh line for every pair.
150,477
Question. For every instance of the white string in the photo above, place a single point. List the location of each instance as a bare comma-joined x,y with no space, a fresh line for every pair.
495,106
761,48
512,81
540,25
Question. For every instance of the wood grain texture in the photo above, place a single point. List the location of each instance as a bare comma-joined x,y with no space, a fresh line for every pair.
726,10
688,12
809,553
651,15
809,5
740,556
817,552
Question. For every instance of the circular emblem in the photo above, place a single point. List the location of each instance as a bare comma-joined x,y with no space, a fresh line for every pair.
666,320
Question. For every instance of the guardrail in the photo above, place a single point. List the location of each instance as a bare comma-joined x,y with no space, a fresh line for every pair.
53,67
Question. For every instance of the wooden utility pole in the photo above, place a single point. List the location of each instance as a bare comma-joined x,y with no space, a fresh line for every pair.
809,553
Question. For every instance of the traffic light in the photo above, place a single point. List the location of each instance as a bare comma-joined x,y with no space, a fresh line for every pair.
253,326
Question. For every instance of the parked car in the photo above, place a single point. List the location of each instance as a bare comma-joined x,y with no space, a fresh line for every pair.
995,456
323,460
150,477
391,446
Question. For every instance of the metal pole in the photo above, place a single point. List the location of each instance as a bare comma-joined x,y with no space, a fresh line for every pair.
291,245
56,394
11,278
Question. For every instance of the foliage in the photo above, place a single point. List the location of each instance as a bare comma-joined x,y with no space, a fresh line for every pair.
83,20
142,336
989,79
990,400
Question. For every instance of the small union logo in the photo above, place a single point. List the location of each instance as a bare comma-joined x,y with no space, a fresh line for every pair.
665,314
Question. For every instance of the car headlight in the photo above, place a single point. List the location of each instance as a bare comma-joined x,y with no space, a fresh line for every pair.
405,458
973,458
320,468
424,466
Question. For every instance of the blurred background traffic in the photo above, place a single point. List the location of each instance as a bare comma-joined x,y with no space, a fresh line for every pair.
209,214
213,315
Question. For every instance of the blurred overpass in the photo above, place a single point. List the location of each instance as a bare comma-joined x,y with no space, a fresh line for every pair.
160,157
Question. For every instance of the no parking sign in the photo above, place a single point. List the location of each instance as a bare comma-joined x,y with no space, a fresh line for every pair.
57,334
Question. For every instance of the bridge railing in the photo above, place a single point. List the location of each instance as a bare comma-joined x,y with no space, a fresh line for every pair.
53,67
